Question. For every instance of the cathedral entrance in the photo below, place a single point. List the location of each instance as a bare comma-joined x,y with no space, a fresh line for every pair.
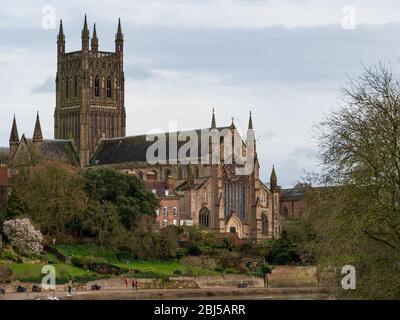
234,225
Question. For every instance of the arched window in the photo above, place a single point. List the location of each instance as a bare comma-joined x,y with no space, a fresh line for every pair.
76,86
264,225
285,212
151,175
109,87
167,174
97,86
67,87
204,217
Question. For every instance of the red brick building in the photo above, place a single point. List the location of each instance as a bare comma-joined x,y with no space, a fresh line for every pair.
169,213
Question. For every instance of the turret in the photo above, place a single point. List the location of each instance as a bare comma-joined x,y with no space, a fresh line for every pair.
95,40
61,40
37,132
119,39
85,37
213,122
14,139
274,180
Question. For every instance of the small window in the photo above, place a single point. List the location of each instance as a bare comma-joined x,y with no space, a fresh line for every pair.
157,212
175,211
165,211
166,192
97,86
154,191
175,222
165,222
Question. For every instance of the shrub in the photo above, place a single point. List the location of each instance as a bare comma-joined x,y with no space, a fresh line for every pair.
5,274
194,251
203,262
230,270
9,254
96,265
178,272
219,269
23,236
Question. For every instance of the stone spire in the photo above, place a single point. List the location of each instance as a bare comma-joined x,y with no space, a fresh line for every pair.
250,127
61,39
119,35
119,38
95,40
213,122
273,180
85,30
14,138
37,132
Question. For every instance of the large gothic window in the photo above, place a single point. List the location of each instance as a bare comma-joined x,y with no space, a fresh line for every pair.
109,87
234,192
67,87
264,225
97,86
76,86
204,217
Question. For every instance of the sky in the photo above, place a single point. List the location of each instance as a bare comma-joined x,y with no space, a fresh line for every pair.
285,60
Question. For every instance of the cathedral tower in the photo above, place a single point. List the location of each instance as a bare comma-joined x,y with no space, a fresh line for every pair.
89,92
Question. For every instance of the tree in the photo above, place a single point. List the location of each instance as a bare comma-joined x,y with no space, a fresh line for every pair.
23,236
16,207
55,198
266,269
126,192
101,221
5,274
359,223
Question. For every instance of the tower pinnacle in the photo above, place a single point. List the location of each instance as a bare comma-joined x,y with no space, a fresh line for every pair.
37,132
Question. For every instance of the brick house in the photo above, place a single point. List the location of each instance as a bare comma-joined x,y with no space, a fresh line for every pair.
169,213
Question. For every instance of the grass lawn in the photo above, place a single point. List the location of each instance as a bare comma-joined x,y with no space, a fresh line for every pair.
160,267
31,272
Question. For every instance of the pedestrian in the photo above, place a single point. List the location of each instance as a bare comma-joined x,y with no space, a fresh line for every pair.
126,283
70,287
133,284
136,285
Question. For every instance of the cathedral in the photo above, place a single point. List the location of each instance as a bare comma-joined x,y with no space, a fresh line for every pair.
89,131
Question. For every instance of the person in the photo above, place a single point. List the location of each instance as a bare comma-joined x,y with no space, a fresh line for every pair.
133,284
136,284
126,282
69,286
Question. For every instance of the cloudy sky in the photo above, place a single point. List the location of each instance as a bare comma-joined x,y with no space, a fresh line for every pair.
284,59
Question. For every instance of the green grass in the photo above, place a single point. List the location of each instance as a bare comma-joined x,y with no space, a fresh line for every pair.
31,272
160,267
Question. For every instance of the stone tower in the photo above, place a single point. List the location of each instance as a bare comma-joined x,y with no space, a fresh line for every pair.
89,92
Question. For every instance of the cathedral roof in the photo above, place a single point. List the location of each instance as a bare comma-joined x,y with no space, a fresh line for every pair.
61,150
134,148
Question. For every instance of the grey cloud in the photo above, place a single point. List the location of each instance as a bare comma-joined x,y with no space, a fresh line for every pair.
47,86
138,73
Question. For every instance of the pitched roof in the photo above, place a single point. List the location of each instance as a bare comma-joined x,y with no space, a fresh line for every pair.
57,149
134,148
292,194
159,187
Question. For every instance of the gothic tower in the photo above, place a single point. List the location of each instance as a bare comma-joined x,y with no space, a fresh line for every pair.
89,92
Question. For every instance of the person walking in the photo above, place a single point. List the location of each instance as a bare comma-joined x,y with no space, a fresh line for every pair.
136,284
133,284
70,287
126,283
